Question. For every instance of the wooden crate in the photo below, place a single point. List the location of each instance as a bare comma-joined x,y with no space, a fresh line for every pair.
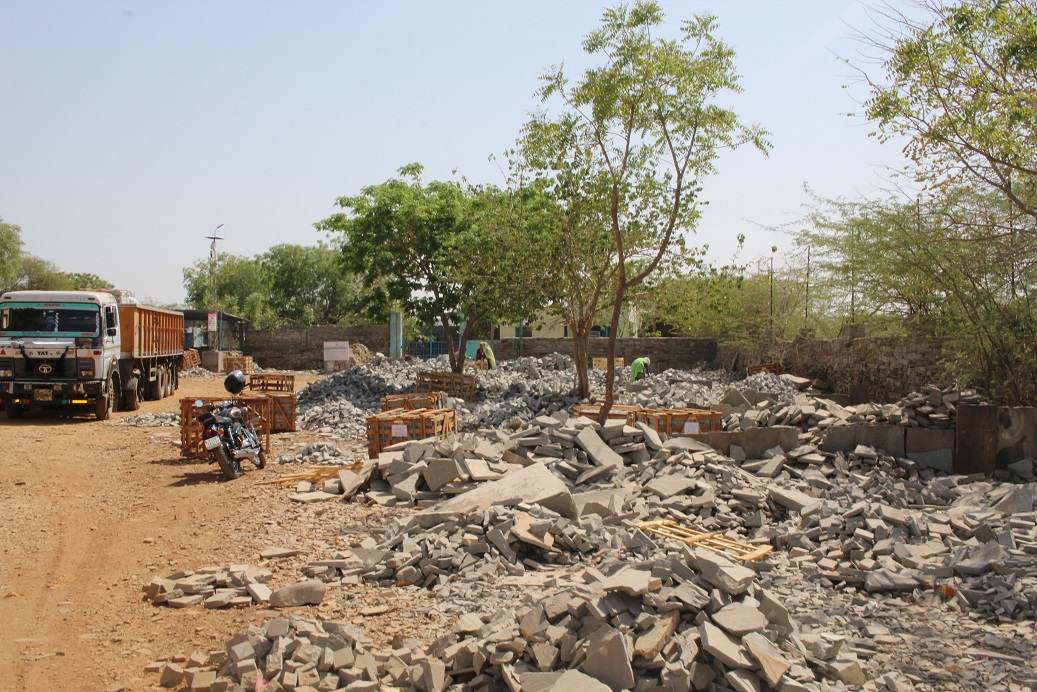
476,365
410,402
191,358
675,422
396,425
191,430
456,384
603,363
242,363
772,368
271,382
617,412
282,411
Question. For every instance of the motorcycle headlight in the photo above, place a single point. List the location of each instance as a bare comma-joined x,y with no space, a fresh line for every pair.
235,413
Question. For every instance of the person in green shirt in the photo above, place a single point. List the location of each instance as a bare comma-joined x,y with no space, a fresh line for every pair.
639,368
486,352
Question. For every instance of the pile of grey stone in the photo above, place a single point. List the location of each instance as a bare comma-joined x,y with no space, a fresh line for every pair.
198,372
318,453
222,586
148,420
524,388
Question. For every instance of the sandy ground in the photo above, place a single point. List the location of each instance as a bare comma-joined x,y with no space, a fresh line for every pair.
90,512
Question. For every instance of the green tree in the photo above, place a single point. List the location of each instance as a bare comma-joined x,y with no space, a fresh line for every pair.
10,254
37,274
960,264
81,281
396,237
636,135
308,285
503,259
237,278
959,85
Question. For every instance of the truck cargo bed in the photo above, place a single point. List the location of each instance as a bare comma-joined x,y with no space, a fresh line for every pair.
149,332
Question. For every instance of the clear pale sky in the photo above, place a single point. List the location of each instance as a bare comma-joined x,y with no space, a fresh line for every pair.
129,130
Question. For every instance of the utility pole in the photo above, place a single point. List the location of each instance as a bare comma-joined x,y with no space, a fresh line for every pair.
806,303
215,294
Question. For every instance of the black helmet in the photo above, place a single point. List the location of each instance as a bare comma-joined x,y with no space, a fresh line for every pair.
235,382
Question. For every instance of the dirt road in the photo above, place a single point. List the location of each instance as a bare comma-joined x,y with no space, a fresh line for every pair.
89,513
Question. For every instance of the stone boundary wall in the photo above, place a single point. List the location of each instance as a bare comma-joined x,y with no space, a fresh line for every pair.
882,370
302,348
666,352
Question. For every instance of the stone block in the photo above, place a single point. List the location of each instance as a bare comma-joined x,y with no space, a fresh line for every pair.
310,592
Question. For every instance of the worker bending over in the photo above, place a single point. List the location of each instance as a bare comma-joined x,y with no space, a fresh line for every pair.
639,368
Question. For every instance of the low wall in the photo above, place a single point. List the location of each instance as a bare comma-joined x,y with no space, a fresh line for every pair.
665,352
870,369
302,348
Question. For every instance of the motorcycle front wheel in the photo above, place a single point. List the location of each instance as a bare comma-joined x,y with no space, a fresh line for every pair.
231,467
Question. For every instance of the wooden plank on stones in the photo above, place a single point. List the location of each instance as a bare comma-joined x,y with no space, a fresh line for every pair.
704,539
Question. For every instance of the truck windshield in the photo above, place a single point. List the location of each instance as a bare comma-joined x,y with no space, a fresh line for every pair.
49,319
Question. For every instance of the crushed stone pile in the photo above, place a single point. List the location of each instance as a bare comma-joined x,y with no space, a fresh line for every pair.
199,372
148,420
524,388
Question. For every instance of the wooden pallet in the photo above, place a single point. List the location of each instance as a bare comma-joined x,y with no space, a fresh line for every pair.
271,382
389,427
313,475
242,363
476,365
772,368
258,412
680,421
709,540
603,363
410,402
456,384
617,412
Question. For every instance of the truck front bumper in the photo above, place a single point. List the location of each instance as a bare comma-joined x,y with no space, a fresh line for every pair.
51,393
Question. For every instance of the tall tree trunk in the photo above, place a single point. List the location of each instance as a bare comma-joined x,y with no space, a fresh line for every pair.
610,356
581,338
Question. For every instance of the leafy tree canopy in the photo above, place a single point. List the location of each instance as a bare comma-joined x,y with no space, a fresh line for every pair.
960,86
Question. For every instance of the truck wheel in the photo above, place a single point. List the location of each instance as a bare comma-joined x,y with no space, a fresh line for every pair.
106,402
231,467
130,395
155,385
168,372
15,411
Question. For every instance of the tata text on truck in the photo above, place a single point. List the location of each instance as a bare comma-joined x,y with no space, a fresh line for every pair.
86,350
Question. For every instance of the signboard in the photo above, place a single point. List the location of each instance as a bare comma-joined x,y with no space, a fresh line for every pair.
691,427
336,351
399,430
213,322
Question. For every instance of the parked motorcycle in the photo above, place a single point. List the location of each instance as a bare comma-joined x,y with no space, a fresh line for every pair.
227,435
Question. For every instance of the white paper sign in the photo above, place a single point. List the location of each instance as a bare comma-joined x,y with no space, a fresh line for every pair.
399,430
691,427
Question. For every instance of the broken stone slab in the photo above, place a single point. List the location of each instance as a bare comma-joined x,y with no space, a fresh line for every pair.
635,582
608,659
722,573
887,580
535,485
597,449
572,681
311,497
353,481
722,646
310,592
739,619
772,664
273,552
1017,501
794,500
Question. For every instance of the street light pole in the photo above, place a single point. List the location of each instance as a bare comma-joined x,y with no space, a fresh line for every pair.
215,294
